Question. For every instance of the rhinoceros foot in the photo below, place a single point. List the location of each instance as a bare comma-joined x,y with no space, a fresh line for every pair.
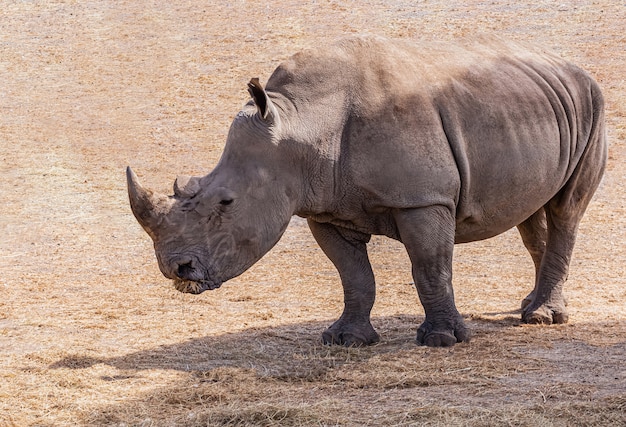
528,300
531,297
350,334
443,333
545,314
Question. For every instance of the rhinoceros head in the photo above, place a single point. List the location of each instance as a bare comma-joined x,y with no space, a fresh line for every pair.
215,227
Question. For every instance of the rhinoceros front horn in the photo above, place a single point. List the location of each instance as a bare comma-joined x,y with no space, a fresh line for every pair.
148,207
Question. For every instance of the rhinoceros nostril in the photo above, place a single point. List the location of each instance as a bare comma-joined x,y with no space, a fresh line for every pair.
184,270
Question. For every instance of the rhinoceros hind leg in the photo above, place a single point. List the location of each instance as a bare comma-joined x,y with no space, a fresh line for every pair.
534,232
528,299
547,304
563,214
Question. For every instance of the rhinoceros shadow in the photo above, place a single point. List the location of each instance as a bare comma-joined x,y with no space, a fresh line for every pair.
274,351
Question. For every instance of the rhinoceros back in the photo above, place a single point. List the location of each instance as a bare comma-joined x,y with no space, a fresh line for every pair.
492,129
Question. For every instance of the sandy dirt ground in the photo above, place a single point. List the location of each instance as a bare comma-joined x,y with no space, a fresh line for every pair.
92,334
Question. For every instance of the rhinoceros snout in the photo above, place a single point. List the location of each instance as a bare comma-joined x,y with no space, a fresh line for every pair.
188,278
185,270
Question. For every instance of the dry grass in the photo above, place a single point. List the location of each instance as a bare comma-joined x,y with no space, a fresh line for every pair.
92,334
283,376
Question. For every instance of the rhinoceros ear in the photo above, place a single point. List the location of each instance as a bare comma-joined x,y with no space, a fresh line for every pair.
261,100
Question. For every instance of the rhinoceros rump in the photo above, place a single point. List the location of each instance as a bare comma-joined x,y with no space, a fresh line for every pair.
430,144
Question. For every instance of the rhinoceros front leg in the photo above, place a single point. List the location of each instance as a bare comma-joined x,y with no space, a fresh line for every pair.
348,252
428,235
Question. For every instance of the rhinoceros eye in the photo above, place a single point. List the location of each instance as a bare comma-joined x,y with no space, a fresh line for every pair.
188,205
226,202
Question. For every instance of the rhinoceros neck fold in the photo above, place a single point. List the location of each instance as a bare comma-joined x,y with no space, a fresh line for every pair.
311,158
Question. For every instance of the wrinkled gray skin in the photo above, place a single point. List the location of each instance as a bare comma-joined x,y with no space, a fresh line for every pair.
430,145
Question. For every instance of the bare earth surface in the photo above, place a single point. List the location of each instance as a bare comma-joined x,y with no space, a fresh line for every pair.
92,334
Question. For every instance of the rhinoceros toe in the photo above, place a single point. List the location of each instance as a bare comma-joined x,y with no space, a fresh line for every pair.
350,335
442,334
544,315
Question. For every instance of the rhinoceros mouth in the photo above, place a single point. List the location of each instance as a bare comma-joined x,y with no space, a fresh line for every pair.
195,287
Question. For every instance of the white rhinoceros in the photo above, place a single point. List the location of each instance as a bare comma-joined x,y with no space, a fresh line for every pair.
429,144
